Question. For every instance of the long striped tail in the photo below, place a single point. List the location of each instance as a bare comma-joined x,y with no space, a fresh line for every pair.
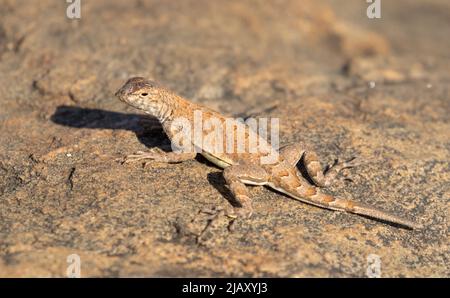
312,195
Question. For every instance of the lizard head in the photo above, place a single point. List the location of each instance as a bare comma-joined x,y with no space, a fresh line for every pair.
142,94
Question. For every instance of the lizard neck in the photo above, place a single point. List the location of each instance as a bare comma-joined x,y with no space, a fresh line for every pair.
163,111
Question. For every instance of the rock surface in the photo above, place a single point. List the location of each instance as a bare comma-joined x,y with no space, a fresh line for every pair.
349,86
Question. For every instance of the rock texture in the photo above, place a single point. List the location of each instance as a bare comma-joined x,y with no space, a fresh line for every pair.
377,89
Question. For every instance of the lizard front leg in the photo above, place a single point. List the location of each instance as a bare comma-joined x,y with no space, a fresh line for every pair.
294,152
236,177
158,155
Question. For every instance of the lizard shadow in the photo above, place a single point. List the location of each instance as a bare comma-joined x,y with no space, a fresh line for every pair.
218,182
147,129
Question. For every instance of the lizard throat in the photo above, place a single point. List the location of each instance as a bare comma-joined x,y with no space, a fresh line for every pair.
162,111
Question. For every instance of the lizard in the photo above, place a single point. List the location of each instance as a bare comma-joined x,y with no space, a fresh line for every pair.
245,167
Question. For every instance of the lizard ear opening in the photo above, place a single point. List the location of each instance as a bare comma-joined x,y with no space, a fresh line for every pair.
144,94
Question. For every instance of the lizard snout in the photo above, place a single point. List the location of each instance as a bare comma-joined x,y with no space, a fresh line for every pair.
123,91
130,86
118,92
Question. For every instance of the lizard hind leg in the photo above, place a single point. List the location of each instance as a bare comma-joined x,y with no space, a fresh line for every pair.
294,152
324,177
236,177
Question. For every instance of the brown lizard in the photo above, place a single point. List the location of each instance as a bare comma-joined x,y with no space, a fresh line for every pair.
241,168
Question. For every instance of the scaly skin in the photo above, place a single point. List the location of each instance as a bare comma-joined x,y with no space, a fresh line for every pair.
244,167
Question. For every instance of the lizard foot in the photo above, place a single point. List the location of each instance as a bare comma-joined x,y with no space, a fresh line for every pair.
154,154
340,165
331,171
239,212
233,213
353,162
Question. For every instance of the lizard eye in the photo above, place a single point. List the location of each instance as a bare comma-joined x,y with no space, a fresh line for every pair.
144,94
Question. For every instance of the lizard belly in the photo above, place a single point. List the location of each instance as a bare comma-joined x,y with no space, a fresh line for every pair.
220,162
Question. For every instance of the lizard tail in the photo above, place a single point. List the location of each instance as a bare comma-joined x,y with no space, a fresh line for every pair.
366,210
313,196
